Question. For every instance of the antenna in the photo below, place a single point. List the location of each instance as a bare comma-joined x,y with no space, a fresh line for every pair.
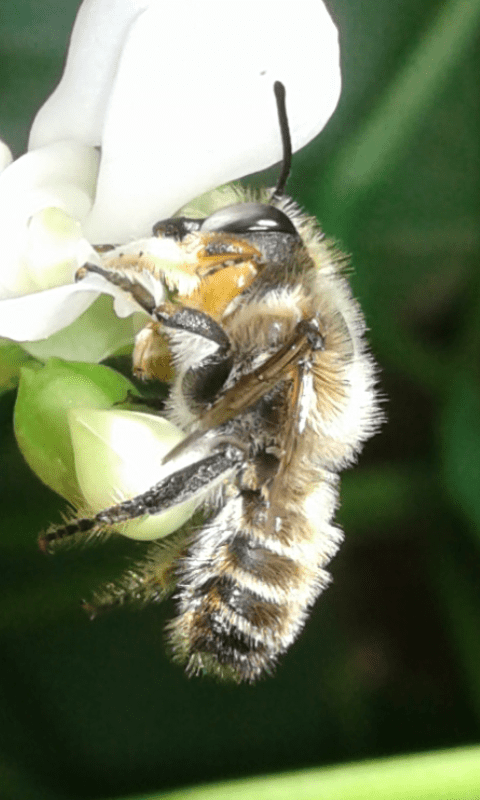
280,93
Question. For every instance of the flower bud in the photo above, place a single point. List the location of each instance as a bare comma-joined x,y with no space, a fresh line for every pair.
45,395
118,455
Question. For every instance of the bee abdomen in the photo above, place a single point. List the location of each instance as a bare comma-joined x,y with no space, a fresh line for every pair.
228,628
241,604
225,630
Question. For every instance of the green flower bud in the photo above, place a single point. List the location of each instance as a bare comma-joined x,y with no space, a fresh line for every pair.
45,395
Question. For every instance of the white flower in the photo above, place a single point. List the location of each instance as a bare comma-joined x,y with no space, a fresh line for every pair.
43,197
179,96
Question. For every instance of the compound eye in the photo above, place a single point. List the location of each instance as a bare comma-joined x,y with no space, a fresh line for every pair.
249,218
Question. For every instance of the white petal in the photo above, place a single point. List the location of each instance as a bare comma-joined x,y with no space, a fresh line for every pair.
63,176
192,104
36,316
75,110
94,336
54,249
118,454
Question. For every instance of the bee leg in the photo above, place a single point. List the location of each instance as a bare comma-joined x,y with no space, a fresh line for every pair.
209,365
178,487
151,354
191,321
140,294
149,580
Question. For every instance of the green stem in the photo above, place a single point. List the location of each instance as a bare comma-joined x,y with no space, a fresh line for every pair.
450,775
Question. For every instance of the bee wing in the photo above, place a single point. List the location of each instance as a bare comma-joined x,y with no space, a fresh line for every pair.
250,388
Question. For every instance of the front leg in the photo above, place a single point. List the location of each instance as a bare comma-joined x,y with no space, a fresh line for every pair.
128,283
192,321
202,355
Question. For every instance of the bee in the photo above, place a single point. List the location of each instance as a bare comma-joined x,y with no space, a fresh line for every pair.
275,390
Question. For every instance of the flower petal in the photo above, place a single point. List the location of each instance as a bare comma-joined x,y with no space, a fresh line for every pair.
191,104
62,176
215,117
97,334
76,108
54,249
36,316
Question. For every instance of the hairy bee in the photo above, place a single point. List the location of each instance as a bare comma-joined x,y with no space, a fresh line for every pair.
274,388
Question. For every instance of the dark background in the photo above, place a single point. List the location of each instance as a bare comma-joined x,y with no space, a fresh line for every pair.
390,659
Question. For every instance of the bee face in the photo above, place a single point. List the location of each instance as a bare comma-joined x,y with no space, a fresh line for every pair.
275,390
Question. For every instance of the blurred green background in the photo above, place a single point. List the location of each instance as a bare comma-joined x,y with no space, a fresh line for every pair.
389,662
